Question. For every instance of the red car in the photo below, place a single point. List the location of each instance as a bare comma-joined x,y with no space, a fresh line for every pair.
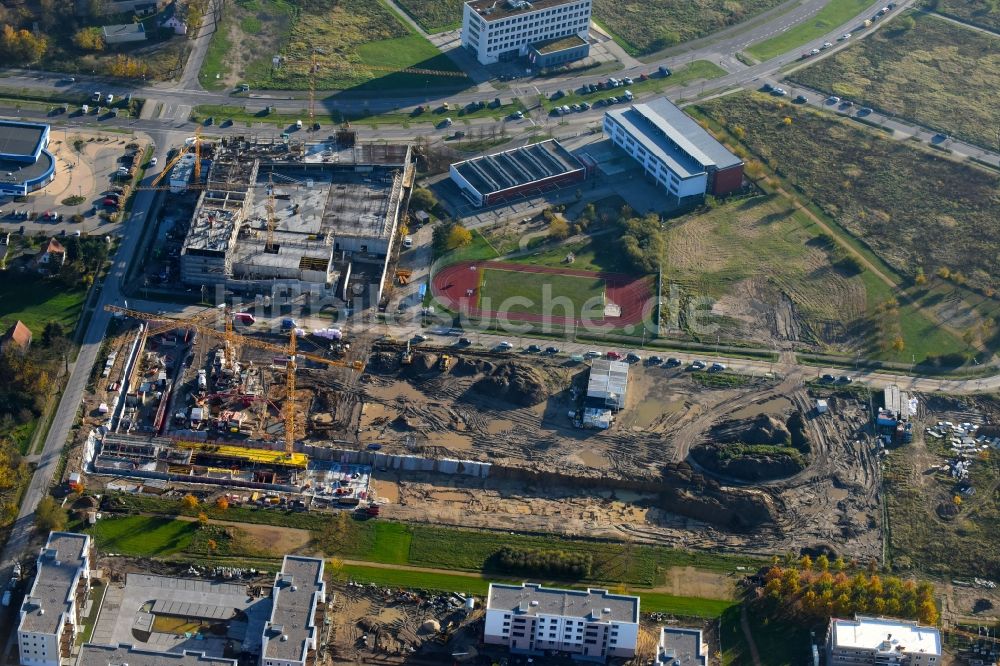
614,356
108,201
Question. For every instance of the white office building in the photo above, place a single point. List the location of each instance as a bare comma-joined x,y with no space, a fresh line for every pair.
871,641
50,614
290,635
503,30
674,151
592,625
680,646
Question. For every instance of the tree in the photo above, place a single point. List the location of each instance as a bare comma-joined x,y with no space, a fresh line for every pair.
189,502
212,546
89,39
928,613
222,504
806,563
898,344
823,562
458,237
21,46
202,519
52,332
423,199
50,516
558,229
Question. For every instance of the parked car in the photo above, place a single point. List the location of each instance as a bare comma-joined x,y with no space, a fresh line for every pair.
828,378
632,357
407,241
552,350
504,346
419,338
465,342
593,353
614,356
717,367
846,35
534,349
654,360
697,365
673,362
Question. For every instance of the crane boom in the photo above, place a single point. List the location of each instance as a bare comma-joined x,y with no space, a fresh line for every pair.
233,339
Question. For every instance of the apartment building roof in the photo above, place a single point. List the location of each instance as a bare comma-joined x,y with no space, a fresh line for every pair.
59,566
592,604
298,588
495,10
885,635
126,655
681,647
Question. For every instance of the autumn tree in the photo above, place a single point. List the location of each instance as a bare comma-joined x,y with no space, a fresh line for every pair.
458,237
189,502
89,39
558,229
222,504
50,516
22,46
202,519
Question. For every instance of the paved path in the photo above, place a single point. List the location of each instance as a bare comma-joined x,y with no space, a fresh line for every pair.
199,47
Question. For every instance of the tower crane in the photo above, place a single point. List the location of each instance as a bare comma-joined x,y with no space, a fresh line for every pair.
196,145
229,336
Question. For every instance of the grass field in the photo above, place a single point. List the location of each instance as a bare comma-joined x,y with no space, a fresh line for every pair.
833,14
646,27
143,536
358,44
963,546
767,248
506,291
417,545
922,74
36,302
778,643
698,70
434,15
977,12
911,207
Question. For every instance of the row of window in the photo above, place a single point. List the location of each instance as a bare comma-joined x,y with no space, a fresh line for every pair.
503,43
568,19
548,12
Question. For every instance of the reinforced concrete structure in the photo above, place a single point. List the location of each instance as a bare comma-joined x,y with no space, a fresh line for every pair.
673,150
878,641
25,164
518,172
592,625
320,214
50,614
504,30
290,636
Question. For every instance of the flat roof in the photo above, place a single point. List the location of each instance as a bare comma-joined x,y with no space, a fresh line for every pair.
60,564
298,589
518,166
494,10
667,132
21,139
120,655
533,599
559,44
681,647
124,29
608,381
885,635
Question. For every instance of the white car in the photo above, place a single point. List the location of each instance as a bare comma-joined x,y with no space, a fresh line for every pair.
504,345
846,35
832,99
153,161
827,45
814,51
407,241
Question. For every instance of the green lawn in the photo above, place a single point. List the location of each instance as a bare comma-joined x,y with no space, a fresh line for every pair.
835,13
392,543
478,249
143,536
983,13
540,293
922,73
593,254
698,70
36,302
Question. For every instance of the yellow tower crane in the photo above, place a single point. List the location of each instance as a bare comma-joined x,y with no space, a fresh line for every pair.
242,340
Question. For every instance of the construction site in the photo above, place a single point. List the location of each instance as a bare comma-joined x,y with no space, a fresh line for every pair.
458,436
323,215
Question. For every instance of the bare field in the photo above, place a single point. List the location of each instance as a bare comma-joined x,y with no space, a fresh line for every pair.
551,477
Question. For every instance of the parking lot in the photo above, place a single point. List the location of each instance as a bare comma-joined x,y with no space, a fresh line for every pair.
86,165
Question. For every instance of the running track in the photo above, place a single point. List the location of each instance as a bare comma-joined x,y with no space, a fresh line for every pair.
451,284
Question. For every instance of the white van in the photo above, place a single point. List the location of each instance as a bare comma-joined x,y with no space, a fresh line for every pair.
298,124
407,241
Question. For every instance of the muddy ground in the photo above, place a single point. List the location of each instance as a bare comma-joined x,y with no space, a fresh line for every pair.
552,477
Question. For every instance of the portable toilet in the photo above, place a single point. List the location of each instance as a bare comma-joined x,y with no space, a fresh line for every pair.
822,407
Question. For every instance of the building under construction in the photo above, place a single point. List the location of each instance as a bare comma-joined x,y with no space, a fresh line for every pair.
318,214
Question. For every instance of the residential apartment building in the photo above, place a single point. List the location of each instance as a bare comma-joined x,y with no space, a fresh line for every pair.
677,153
504,30
592,625
681,647
50,614
871,641
298,605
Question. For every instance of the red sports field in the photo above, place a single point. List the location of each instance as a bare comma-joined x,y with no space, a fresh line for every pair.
615,299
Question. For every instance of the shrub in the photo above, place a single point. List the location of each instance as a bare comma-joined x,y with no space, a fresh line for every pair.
539,562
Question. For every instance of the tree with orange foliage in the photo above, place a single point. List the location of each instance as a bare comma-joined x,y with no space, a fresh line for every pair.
222,504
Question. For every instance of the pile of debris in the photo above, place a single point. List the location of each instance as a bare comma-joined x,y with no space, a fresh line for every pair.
515,383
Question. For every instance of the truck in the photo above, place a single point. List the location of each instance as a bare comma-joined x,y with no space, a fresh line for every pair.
244,318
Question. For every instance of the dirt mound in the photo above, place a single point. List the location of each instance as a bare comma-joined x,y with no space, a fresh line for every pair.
517,384
692,494
383,362
421,364
747,463
762,429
